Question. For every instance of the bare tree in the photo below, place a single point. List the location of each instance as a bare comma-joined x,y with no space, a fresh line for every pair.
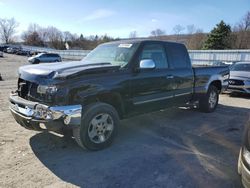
43,33
178,29
67,36
195,37
7,29
157,32
31,36
241,33
55,37
133,34
190,29
33,27
246,21
196,40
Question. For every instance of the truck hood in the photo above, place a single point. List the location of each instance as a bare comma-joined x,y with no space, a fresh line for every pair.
63,70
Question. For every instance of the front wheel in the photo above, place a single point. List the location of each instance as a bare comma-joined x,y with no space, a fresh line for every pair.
209,102
37,61
98,126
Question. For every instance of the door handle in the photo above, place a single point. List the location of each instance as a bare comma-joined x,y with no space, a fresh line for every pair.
169,76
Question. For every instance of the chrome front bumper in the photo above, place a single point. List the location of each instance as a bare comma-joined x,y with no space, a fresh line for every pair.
26,112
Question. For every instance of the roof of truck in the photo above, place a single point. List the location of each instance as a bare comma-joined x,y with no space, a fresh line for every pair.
142,40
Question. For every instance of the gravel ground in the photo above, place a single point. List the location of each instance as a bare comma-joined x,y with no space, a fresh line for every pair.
172,148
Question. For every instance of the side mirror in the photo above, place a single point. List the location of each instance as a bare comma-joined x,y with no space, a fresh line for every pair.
147,64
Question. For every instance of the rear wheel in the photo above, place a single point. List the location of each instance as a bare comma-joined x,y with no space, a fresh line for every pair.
98,127
209,102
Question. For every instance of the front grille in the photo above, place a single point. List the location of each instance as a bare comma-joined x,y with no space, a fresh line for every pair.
33,91
23,88
28,90
235,82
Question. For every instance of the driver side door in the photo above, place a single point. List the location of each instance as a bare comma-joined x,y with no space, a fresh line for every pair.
152,89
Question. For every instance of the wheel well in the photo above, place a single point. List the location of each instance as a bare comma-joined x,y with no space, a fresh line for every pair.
217,84
112,99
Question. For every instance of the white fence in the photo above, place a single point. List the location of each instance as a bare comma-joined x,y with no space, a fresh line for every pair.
197,56
65,54
203,56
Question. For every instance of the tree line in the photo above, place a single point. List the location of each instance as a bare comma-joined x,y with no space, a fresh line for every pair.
54,38
222,36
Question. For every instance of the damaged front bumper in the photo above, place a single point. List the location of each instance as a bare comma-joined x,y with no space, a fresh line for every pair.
36,116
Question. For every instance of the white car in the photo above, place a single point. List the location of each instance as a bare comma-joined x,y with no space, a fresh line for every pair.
239,80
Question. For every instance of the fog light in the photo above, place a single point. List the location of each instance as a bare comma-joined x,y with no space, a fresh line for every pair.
42,126
67,120
49,115
43,113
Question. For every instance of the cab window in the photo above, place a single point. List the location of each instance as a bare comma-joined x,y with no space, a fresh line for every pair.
156,52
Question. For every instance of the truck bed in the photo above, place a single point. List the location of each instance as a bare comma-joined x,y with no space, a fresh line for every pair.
204,75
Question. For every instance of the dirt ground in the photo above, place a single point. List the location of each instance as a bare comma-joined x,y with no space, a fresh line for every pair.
173,148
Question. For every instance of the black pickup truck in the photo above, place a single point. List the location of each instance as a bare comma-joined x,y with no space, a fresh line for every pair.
115,81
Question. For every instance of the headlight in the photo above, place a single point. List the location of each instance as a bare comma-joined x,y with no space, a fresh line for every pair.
225,76
46,89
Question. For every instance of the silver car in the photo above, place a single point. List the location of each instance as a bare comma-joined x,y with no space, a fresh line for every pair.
44,58
239,80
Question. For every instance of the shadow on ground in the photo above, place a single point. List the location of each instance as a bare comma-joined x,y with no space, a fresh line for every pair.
171,148
240,95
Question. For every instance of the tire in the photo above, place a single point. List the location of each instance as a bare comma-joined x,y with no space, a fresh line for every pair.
98,127
209,102
37,61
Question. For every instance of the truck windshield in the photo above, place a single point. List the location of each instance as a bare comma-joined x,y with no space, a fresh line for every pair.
241,67
118,54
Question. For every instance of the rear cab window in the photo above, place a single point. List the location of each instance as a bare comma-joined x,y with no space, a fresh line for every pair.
177,55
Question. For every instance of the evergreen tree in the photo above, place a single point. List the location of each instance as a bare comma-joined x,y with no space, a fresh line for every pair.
81,37
219,37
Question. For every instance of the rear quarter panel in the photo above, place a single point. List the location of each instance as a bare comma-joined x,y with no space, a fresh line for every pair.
204,76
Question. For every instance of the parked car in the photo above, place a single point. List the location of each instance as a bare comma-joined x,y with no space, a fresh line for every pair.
239,80
23,52
1,54
13,50
222,63
219,63
244,158
3,48
45,58
115,81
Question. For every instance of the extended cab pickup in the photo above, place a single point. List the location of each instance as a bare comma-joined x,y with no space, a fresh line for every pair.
115,81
